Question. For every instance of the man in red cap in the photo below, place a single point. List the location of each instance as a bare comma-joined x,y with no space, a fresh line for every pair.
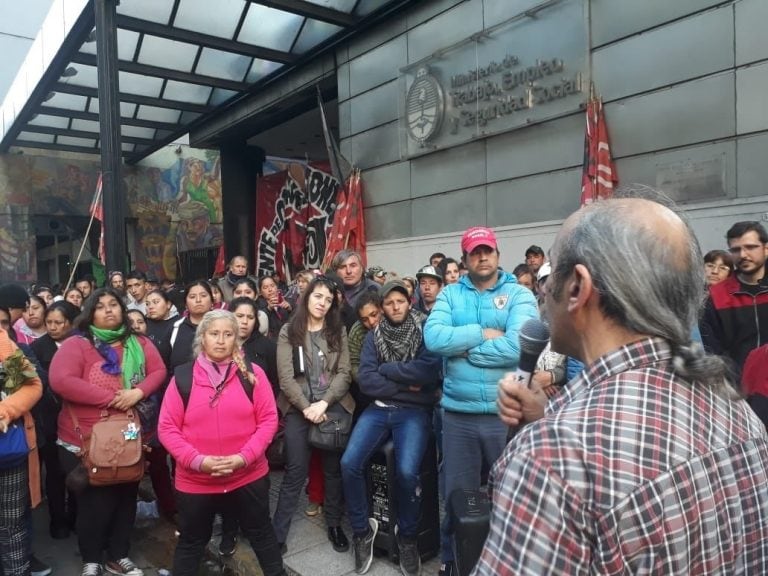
474,325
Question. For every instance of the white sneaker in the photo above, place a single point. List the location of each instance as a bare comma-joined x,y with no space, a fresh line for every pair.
123,567
91,569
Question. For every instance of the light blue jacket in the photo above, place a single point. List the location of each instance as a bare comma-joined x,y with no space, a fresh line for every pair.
454,329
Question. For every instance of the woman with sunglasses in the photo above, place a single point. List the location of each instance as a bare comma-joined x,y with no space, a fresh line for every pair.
217,426
315,336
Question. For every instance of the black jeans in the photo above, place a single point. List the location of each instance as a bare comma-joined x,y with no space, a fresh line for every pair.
251,505
62,505
298,451
105,516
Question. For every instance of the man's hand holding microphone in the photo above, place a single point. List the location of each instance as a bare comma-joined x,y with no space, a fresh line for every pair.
519,399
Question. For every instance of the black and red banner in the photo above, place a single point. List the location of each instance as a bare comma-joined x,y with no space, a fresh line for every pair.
293,218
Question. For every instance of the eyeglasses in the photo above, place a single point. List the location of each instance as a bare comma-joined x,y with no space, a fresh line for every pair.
214,400
737,250
716,267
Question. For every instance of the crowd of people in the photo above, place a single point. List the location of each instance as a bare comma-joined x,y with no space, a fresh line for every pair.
625,411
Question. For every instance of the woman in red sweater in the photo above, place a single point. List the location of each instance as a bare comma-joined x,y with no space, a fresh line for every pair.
105,368
217,426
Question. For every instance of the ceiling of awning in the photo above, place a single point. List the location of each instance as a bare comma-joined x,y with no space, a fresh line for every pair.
179,62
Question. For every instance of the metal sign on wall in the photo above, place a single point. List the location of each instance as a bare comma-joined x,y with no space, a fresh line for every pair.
528,69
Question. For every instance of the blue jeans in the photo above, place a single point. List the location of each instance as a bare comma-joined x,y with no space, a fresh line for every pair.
410,429
469,442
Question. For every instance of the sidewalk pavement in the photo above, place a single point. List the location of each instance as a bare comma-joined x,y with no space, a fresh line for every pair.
309,552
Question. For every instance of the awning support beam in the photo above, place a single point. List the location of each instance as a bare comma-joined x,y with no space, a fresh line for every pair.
109,124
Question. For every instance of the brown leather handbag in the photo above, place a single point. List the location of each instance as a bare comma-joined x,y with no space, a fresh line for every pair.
113,453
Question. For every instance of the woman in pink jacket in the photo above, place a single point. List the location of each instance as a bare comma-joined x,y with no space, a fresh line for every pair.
217,419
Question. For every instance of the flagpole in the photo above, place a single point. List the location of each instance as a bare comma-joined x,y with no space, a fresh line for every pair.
96,200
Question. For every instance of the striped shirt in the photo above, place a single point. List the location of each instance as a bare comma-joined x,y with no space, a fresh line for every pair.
632,470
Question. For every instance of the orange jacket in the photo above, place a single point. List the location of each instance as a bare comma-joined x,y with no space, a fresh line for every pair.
17,405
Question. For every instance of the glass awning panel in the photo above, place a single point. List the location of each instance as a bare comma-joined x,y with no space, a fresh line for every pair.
152,10
220,64
196,16
275,29
341,5
185,92
179,62
167,53
313,33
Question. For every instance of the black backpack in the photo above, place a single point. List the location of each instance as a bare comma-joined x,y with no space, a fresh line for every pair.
183,375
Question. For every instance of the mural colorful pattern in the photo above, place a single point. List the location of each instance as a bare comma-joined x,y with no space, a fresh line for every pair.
176,205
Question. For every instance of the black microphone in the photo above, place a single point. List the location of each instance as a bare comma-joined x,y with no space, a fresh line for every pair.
533,338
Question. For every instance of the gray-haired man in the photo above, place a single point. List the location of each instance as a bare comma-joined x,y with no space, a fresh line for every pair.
645,463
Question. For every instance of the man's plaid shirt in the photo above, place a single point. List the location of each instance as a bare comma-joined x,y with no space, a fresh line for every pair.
632,471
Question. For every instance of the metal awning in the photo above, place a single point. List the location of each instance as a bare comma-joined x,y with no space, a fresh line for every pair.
179,62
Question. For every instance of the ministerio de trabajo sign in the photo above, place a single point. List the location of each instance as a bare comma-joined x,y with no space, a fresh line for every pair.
498,80
482,96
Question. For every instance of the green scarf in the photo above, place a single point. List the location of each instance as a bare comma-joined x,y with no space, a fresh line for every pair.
133,362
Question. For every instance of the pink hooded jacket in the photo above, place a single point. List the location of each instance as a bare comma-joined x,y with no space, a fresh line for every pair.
233,425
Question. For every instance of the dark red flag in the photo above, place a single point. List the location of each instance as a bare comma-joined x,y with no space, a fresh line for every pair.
599,178
348,230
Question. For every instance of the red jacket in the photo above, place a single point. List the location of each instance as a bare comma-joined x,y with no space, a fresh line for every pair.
735,322
234,425
76,376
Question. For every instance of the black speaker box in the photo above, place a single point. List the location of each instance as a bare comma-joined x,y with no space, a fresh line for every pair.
470,517
383,502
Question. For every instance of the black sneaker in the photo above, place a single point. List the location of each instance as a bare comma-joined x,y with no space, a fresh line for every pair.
410,561
364,547
228,544
447,569
38,567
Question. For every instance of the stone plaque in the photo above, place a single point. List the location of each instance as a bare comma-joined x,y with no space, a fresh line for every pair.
692,180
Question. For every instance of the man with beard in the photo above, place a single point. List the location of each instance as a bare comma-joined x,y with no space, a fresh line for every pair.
237,270
736,316
475,325
403,378
86,284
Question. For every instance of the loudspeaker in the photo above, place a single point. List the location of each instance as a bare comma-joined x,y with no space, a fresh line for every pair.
383,502
470,516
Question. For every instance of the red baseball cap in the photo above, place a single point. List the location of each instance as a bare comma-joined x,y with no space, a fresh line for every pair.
478,236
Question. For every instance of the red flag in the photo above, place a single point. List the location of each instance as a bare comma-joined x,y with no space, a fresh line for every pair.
348,230
221,265
356,220
97,212
337,235
599,177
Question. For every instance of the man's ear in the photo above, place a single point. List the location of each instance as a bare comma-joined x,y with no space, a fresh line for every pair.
579,288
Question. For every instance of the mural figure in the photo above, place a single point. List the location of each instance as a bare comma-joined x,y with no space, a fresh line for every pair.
195,230
176,204
198,186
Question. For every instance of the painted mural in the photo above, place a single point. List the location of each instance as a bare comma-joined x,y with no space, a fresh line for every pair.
174,199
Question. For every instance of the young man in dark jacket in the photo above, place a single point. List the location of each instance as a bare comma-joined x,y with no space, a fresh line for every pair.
403,378
735,318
